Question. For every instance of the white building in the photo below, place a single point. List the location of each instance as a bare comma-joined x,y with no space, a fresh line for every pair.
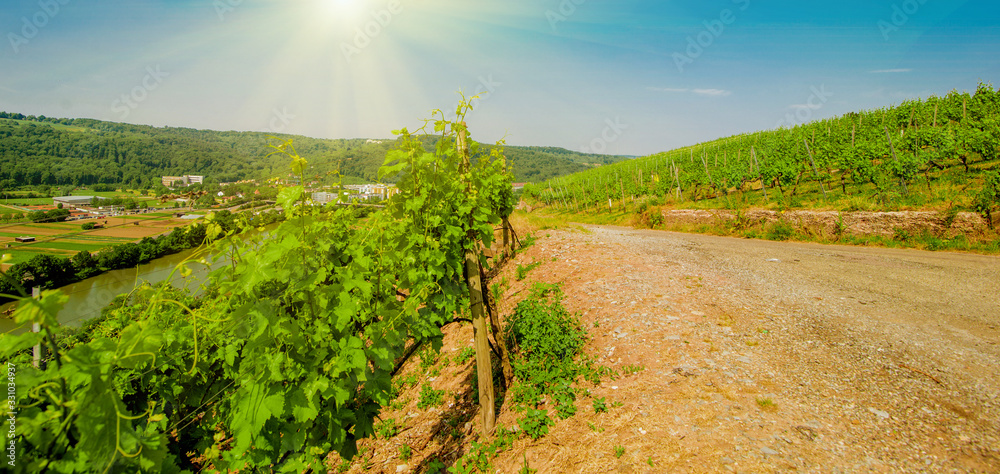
324,198
74,200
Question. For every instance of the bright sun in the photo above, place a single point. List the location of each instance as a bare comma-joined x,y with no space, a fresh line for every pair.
345,11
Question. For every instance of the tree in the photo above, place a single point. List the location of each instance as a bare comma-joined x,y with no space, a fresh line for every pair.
45,271
85,264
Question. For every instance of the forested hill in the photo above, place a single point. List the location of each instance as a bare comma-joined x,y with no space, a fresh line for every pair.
50,151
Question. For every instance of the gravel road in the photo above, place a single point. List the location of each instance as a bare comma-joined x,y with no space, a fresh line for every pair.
763,356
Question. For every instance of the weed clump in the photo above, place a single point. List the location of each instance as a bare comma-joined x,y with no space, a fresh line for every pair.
548,342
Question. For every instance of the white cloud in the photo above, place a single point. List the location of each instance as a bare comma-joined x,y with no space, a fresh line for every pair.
713,92
889,71
707,92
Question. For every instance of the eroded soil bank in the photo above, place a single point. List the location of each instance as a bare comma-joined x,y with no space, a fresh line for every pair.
859,223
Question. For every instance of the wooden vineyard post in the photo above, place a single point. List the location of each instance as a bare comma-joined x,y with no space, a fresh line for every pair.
710,180
763,186
677,176
815,172
507,246
622,185
892,148
38,352
484,366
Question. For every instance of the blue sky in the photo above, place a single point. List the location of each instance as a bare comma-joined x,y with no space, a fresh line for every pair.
622,77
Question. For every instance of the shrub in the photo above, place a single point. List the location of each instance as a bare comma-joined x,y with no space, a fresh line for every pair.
542,329
988,198
548,341
779,230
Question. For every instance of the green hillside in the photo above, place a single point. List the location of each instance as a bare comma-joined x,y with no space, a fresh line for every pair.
49,151
934,152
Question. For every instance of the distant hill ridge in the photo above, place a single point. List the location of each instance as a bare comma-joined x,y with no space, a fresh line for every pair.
58,151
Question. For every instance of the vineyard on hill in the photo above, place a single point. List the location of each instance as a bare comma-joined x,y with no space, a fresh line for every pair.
888,157
290,352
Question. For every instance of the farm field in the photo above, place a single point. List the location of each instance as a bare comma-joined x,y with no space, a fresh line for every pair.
65,239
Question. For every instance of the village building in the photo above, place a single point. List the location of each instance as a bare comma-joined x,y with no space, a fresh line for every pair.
186,180
75,200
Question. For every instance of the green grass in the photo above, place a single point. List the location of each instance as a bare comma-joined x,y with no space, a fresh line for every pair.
27,201
23,255
76,247
101,238
767,404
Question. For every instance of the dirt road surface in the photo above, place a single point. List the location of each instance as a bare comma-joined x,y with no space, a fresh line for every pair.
764,356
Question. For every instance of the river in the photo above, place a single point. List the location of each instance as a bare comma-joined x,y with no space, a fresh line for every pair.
88,297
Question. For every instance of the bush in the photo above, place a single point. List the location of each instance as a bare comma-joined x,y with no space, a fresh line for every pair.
87,226
542,329
988,198
780,230
548,341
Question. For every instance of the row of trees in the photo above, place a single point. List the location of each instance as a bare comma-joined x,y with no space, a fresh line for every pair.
879,152
55,215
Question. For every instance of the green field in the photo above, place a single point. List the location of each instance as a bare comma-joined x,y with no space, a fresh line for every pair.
70,238
76,247
23,255
19,201
101,238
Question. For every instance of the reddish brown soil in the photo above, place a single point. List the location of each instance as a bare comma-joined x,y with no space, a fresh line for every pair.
757,356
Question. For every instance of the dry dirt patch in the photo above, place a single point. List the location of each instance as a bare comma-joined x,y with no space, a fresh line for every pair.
756,357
